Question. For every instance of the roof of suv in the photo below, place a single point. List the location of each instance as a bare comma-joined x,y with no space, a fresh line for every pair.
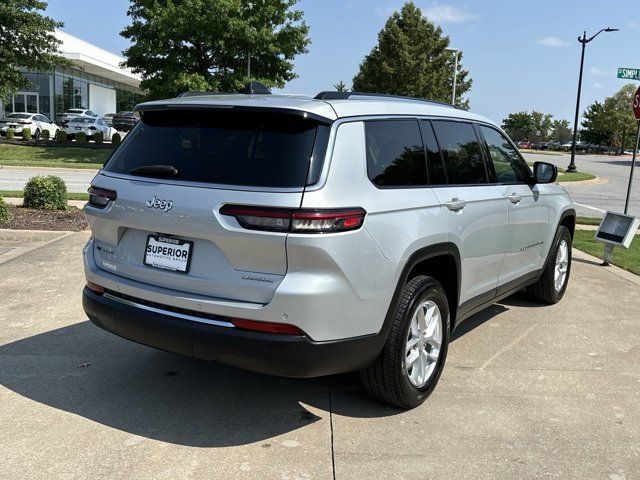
329,109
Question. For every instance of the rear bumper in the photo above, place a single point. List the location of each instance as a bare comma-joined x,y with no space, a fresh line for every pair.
284,355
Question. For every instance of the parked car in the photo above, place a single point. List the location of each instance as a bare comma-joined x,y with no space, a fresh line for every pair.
524,144
89,126
125,121
108,118
72,113
628,152
312,236
36,122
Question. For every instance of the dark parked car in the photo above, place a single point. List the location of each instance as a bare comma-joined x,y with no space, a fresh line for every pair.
124,121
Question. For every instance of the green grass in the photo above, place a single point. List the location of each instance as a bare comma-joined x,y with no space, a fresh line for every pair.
574,177
623,258
540,152
588,220
20,194
57,157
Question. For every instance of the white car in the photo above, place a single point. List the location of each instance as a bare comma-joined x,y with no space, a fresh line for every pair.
89,126
36,122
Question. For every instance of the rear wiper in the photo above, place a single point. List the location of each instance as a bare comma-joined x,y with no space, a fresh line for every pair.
156,170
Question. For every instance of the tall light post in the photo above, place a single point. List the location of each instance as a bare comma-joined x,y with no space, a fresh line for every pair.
583,40
456,52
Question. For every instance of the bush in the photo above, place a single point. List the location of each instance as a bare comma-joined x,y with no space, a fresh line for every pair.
81,137
45,134
26,133
98,137
116,139
4,211
61,136
10,134
45,193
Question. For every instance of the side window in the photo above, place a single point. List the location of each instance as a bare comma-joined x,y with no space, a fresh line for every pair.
506,163
435,166
395,156
461,152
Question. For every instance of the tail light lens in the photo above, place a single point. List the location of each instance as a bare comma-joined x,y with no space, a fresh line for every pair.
100,197
95,288
296,220
266,327
25,122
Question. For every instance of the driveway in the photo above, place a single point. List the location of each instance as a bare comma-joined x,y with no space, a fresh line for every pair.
528,392
594,199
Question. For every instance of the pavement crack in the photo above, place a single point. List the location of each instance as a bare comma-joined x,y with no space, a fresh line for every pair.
333,452
508,346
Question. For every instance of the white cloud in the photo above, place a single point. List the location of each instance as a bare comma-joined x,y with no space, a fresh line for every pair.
553,42
449,14
595,71
634,24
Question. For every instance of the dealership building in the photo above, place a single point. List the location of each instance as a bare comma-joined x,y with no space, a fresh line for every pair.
96,81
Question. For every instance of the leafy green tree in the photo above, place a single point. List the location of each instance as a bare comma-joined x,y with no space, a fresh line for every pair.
411,58
26,41
611,122
519,126
541,126
206,45
561,131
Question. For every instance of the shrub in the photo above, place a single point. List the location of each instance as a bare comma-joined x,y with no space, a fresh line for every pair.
61,136
4,211
98,137
45,134
10,134
45,193
81,137
116,139
26,133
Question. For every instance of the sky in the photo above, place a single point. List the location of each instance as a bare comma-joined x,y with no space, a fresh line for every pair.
521,54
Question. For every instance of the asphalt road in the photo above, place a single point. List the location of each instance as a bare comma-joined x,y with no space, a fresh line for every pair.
594,199
15,178
528,392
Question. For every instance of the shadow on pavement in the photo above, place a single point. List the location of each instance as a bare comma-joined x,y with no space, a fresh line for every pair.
85,371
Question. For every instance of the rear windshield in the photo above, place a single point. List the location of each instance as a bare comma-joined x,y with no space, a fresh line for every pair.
19,115
75,111
221,147
82,120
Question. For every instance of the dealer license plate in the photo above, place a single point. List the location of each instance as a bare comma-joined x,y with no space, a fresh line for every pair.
168,253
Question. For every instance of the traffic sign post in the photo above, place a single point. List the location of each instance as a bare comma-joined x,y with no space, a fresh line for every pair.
629,73
636,113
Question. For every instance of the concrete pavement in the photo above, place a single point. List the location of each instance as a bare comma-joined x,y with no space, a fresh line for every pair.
529,391
594,199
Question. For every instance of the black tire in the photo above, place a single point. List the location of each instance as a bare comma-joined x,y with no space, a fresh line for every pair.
386,378
544,289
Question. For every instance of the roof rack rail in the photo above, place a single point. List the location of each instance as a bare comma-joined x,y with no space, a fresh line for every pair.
251,88
333,95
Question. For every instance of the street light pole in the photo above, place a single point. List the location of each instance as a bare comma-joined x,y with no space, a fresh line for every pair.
583,40
456,52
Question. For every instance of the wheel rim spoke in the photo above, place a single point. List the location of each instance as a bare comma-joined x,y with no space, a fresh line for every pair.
423,343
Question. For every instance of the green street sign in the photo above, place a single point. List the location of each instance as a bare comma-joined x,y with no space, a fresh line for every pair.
629,73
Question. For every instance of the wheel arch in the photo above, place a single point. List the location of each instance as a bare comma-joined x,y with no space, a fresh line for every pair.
568,219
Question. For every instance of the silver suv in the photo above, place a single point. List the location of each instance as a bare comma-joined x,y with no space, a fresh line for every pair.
303,236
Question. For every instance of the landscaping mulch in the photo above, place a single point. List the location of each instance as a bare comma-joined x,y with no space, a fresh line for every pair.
22,218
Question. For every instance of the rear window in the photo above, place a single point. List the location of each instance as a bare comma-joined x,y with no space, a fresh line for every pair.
222,147
82,120
461,152
19,115
75,111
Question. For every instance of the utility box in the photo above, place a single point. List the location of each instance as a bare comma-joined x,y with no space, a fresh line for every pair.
617,229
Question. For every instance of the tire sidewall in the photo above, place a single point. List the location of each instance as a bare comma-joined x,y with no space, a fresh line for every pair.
430,290
563,234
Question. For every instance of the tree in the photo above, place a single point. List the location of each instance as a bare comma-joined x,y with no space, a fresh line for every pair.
561,131
207,45
411,58
26,41
519,126
341,87
611,122
541,126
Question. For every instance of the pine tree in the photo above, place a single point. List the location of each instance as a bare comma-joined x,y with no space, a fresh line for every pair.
411,58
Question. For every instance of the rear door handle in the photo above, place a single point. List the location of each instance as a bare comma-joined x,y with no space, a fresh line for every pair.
514,198
455,205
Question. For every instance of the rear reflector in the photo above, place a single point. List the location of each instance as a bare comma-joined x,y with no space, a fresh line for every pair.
95,288
296,220
266,327
100,197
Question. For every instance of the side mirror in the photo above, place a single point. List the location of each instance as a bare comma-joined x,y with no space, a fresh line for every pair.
544,172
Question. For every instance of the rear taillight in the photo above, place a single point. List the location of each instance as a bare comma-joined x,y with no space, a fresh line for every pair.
296,220
266,327
100,197
95,288
25,122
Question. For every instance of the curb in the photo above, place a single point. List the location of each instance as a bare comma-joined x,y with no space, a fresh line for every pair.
620,272
593,181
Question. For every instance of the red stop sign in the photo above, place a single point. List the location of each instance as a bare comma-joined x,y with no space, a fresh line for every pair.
636,104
